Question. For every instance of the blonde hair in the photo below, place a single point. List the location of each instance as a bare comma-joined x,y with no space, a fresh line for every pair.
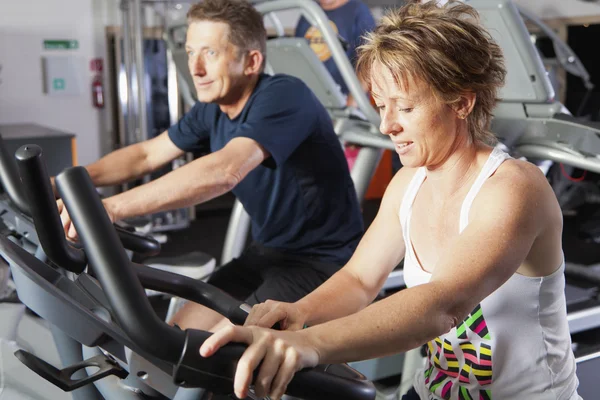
447,48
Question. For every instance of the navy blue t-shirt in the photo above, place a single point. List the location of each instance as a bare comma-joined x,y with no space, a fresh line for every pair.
350,21
301,200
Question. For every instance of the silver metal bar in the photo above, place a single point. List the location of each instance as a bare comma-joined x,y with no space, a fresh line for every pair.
547,153
587,357
364,169
315,14
367,139
276,24
126,90
564,54
138,36
583,320
237,233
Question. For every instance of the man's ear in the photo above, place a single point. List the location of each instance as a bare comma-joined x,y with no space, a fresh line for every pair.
465,105
254,62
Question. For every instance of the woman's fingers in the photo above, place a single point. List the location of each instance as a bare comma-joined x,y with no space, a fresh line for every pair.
223,336
269,368
291,365
279,354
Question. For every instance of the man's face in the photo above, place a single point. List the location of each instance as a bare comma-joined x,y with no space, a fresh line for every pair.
216,65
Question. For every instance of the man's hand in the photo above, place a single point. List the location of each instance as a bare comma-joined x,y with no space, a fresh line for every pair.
280,355
53,184
267,314
67,223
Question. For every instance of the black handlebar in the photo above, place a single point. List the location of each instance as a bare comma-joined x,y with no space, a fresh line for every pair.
11,182
142,245
48,226
136,317
191,289
9,177
111,265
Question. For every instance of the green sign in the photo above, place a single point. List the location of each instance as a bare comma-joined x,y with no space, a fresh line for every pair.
61,44
58,84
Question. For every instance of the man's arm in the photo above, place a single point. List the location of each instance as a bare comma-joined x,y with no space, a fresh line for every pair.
196,182
133,161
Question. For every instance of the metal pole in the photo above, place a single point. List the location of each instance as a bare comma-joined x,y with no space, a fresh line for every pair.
237,233
128,108
138,45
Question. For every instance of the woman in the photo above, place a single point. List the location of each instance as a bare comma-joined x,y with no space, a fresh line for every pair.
479,232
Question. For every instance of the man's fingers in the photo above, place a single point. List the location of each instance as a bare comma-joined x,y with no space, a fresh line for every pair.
255,314
296,326
72,232
270,319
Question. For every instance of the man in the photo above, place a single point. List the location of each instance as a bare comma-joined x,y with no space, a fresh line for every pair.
350,19
271,143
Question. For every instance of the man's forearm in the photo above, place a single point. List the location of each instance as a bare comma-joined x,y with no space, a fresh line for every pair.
120,166
186,186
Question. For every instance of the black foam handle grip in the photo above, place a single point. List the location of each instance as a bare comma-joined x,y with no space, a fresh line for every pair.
42,205
11,182
142,245
112,267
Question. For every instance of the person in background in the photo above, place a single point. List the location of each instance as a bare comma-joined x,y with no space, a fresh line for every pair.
350,20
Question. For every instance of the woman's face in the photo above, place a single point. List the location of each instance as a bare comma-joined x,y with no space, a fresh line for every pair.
424,130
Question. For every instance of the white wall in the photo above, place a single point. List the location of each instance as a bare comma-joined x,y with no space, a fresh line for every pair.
23,27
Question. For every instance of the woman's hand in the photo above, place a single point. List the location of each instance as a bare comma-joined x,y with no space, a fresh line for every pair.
267,314
282,354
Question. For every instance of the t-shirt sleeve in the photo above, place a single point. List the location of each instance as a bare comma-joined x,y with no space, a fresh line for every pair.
363,23
301,27
281,117
192,132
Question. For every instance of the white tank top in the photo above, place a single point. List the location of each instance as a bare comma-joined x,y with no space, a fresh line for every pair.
514,345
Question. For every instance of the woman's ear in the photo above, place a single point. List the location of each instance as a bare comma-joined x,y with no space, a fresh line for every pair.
465,105
254,62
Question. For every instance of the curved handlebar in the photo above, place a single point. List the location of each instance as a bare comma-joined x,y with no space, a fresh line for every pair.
36,185
11,182
136,317
9,177
143,245
107,257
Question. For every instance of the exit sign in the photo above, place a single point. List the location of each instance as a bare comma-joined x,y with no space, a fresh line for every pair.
61,44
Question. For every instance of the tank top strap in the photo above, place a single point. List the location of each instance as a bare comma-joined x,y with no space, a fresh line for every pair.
409,196
496,158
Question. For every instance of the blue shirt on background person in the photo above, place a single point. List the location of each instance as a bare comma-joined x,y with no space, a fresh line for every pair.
350,19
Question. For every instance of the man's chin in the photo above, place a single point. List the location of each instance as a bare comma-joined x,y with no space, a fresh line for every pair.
204,97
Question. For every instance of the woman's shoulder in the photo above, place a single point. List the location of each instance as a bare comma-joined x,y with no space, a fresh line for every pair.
521,186
394,193
519,173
